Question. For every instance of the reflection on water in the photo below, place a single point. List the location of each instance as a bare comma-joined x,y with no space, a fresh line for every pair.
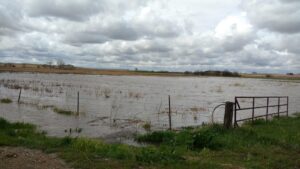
117,106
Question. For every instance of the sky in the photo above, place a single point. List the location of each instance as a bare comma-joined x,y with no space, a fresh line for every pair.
172,35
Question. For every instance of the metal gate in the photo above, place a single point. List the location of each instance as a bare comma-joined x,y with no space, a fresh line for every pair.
282,101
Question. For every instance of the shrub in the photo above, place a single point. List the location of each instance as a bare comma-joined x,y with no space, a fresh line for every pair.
6,100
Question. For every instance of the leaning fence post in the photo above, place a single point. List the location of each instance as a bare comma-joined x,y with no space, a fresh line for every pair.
170,118
78,102
19,95
228,114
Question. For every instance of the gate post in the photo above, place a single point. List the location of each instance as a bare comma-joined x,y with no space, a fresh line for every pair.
228,115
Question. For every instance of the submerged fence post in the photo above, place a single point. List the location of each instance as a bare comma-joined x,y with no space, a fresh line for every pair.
78,102
170,118
19,95
228,114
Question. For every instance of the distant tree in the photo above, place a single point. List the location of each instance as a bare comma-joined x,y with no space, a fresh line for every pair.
60,63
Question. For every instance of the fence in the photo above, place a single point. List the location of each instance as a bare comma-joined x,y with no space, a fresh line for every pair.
253,107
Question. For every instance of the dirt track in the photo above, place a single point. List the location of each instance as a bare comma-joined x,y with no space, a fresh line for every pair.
21,158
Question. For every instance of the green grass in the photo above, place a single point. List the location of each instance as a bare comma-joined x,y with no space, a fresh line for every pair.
6,100
64,112
275,144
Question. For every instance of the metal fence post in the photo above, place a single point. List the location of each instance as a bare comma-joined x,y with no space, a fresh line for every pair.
278,106
78,102
253,106
267,113
287,106
170,118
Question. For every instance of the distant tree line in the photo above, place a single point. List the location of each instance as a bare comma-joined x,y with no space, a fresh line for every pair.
60,64
213,73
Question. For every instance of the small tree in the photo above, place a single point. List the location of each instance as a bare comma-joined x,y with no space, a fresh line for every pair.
60,63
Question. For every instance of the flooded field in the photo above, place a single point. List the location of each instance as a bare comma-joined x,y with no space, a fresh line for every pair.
114,106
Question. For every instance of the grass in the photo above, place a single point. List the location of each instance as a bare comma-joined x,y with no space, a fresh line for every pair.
275,144
6,100
64,112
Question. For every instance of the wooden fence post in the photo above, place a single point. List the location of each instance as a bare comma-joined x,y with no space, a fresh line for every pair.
228,114
170,118
19,95
78,102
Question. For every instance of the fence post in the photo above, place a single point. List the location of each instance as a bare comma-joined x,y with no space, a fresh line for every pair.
78,102
19,95
287,106
170,118
253,107
267,113
235,102
228,115
278,106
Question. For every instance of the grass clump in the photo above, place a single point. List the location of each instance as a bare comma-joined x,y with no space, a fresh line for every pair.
147,126
6,100
64,112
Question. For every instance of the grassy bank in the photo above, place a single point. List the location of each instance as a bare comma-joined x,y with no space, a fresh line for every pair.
275,144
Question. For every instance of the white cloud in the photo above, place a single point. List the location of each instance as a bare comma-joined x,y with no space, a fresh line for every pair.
153,34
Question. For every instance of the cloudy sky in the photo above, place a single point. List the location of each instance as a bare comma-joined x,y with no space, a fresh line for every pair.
176,35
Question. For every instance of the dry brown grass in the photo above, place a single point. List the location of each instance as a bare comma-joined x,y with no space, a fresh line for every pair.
78,70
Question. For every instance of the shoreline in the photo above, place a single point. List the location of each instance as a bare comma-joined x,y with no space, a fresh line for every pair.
32,68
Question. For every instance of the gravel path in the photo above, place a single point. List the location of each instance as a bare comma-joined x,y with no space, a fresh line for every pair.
22,158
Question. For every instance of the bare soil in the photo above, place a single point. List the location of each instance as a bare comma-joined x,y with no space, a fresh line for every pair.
22,158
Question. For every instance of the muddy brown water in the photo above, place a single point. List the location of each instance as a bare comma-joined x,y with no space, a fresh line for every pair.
112,107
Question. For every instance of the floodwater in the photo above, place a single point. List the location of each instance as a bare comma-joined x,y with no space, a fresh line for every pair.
117,106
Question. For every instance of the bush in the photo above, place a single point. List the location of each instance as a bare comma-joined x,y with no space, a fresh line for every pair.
205,139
